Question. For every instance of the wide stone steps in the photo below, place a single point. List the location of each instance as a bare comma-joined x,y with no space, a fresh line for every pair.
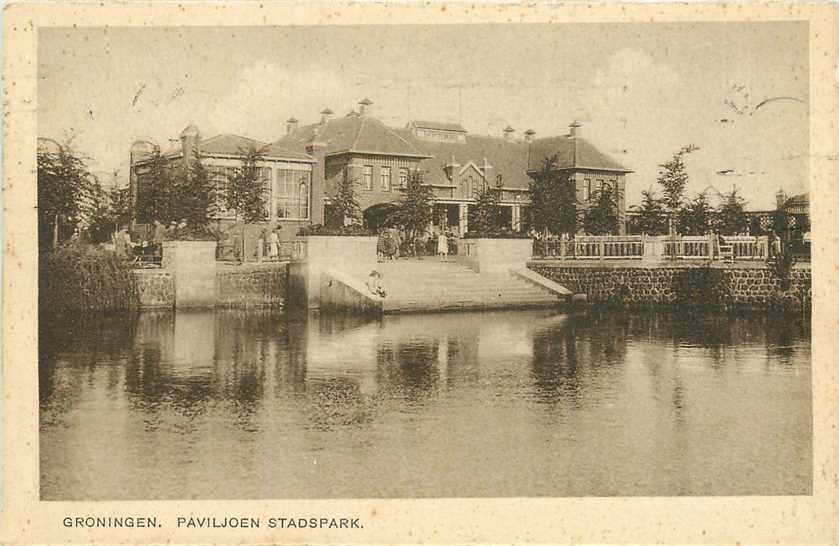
432,286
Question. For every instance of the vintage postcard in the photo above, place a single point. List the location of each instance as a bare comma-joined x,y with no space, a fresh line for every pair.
420,273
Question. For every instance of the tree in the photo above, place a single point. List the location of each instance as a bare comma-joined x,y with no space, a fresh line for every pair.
603,216
109,211
696,217
65,191
485,215
731,217
345,203
155,191
194,194
413,212
246,194
553,200
673,178
652,218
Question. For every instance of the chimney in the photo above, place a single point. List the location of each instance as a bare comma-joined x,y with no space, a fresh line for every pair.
508,133
780,199
364,107
325,116
189,144
574,129
290,125
528,135
452,170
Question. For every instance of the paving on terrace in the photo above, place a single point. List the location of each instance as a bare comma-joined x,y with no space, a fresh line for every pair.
431,285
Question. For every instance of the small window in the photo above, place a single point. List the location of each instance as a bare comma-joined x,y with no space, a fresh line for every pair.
403,177
384,178
368,177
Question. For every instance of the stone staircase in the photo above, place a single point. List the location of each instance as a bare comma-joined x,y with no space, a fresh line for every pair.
430,285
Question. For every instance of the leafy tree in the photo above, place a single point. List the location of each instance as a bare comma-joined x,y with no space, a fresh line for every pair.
195,194
247,191
155,189
413,212
485,215
603,216
110,209
345,203
731,217
652,218
673,178
65,191
553,200
696,217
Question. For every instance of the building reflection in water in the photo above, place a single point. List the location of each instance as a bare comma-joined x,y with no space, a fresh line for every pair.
185,388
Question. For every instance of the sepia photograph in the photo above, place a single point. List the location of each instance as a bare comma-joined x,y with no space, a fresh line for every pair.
424,261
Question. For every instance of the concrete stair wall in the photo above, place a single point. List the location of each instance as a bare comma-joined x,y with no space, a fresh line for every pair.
426,285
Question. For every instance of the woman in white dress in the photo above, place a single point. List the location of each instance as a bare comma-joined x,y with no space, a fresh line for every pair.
442,245
274,244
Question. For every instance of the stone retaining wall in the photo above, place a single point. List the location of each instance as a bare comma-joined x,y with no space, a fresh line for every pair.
235,286
246,286
155,287
751,286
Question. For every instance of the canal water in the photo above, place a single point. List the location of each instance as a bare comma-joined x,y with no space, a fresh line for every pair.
256,404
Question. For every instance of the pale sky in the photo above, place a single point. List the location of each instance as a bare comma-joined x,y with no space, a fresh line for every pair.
641,91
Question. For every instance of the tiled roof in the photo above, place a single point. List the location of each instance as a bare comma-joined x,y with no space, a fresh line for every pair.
352,134
439,125
572,153
800,199
238,145
507,158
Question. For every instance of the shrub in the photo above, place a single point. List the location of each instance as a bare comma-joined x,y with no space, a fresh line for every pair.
354,230
84,277
500,233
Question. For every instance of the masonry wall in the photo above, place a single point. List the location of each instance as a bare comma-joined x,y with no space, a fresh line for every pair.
235,286
250,286
155,287
747,286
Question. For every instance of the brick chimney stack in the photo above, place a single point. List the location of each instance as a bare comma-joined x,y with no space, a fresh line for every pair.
364,107
574,129
325,116
190,137
291,125
508,133
528,135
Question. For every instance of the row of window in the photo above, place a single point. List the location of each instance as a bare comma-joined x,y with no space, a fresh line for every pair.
385,178
289,198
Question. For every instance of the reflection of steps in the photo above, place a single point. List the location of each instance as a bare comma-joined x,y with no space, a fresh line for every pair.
415,286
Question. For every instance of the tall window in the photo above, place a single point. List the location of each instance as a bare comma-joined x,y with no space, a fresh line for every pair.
292,198
368,177
586,189
403,177
220,178
384,178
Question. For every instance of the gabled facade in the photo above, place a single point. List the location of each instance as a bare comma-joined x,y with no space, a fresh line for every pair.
379,158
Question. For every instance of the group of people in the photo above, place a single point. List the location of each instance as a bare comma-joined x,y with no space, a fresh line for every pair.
127,249
389,244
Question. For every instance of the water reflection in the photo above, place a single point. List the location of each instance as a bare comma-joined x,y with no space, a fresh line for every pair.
236,402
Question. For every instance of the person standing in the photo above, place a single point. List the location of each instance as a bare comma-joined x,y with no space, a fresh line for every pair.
158,236
442,245
775,241
274,243
123,245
